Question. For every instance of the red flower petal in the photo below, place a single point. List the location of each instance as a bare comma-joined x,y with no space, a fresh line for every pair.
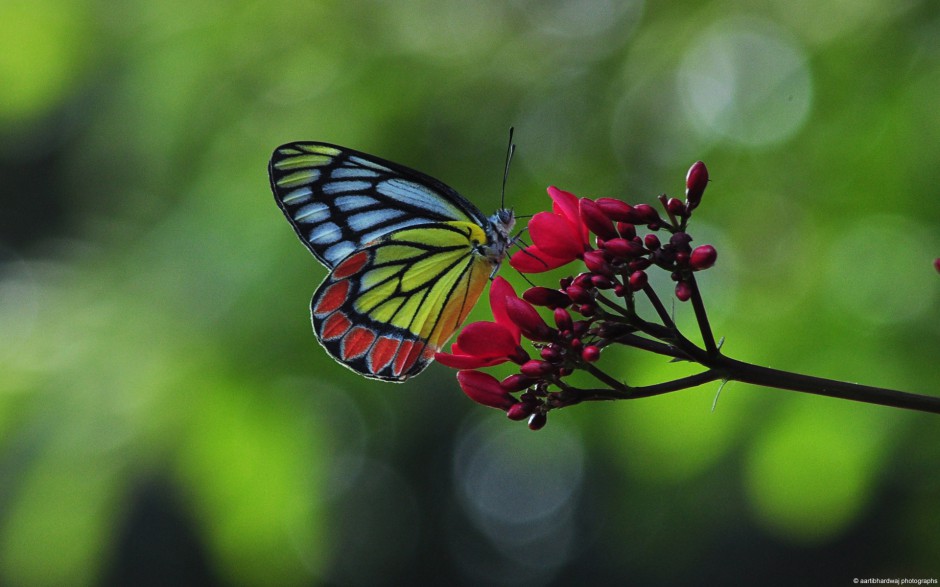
565,204
486,340
534,260
485,389
455,361
556,236
500,289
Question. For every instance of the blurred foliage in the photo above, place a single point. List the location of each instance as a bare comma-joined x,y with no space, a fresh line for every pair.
167,417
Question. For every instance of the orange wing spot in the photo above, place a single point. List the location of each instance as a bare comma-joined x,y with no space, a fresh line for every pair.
406,347
408,357
383,352
428,353
351,265
332,298
356,342
335,326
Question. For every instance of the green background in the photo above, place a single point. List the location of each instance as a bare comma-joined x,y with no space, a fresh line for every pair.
166,416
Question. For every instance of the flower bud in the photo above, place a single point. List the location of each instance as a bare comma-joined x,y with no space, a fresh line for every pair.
622,247
528,320
675,207
516,382
597,263
652,242
551,354
680,240
591,353
683,291
520,411
563,319
587,310
484,389
638,280
594,218
626,230
578,294
536,369
601,282
695,182
584,280
616,210
646,214
639,264
703,257
537,421
547,297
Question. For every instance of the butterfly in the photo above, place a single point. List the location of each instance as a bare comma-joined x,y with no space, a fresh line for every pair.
408,256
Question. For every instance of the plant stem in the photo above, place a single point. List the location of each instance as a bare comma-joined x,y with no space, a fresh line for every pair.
747,373
704,327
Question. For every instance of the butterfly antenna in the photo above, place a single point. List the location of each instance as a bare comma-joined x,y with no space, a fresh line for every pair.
509,152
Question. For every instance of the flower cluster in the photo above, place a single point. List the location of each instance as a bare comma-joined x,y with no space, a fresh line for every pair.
589,311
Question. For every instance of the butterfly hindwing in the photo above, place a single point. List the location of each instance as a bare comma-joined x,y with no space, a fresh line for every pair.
386,308
339,199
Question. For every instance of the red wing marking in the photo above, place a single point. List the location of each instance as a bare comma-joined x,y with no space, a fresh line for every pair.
351,265
402,356
335,326
383,352
332,298
356,342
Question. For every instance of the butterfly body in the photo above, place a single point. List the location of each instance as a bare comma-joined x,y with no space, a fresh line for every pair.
408,255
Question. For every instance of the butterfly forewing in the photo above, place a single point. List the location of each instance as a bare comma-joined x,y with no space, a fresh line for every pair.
339,199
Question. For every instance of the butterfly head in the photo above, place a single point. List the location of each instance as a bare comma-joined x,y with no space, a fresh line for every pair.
499,235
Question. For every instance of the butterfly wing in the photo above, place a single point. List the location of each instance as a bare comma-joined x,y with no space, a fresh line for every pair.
339,200
388,307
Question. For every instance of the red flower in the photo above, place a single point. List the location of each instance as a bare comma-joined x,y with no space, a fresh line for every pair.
558,237
483,344
485,389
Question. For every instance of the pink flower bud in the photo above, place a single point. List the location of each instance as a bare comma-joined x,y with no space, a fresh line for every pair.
537,421
597,263
594,218
675,207
703,257
638,280
563,319
536,369
601,282
578,294
652,242
551,354
695,182
626,230
646,214
484,389
623,248
528,320
547,297
516,382
616,210
591,353
683,291
520,411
